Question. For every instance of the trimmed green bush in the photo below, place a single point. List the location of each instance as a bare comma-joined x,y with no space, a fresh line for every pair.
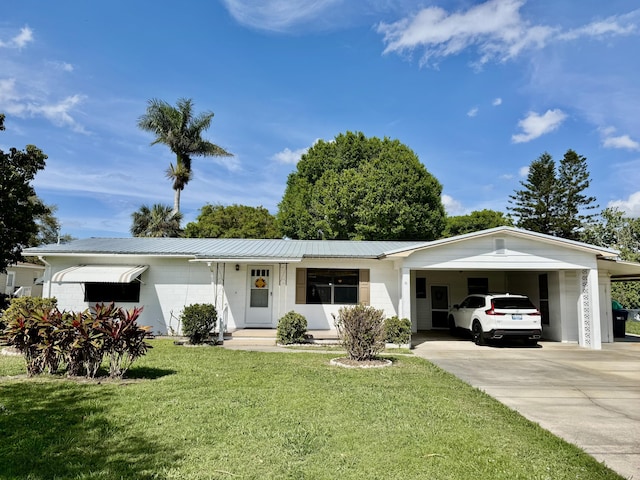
198,321
19,305
292,328
361,330
397,330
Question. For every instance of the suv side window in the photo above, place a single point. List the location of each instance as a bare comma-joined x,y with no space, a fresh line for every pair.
476,302
465,302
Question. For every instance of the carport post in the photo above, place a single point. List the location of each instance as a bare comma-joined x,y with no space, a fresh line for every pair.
404,307
589,310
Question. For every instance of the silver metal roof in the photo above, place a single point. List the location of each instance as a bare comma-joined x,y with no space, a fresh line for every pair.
203,248
283,250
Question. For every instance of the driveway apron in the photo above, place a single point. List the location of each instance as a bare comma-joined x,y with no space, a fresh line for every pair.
590,398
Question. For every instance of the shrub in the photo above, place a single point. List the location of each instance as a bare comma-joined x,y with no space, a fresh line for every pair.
18,306
361,330
5,301
123,339
198,321
47,338
85,344
37,334
397,330
292,328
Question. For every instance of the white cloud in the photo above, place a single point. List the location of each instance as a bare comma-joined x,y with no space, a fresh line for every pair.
276,15
616,25
523,171
473,112
288,156
494,28
19,41
620,141
59,112
535,125
62,66
233,164
630,206
452,206
623,141
496,102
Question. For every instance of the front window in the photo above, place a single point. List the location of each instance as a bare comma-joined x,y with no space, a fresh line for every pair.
332,286
111,292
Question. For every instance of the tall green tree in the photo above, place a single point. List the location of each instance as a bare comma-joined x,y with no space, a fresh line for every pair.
19,206
360,188
49,228
535,205
157,221
614,229
181,130
553,202
573,205
475,221
233,221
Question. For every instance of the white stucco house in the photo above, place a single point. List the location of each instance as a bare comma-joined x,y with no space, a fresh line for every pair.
255,282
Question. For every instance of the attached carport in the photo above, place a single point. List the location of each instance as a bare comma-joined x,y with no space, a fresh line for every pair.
569,281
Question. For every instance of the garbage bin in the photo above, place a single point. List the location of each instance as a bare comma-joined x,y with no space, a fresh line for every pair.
619,322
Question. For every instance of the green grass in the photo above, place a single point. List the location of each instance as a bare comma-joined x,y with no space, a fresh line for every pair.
633,327
211,413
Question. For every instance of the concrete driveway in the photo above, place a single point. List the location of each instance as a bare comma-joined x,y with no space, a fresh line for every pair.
590,398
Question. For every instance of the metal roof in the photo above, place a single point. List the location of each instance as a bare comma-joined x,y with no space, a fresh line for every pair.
213,248
222,249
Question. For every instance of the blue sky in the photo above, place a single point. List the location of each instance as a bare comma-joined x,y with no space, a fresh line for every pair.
478,89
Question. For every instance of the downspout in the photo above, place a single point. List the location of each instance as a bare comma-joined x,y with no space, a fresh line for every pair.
47,269
222,312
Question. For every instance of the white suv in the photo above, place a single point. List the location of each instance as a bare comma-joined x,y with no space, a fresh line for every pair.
496,316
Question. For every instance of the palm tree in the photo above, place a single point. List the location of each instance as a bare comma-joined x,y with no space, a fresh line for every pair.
181,130
158,221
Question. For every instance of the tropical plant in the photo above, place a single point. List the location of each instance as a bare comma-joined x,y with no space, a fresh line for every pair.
123,338
157,221
361,331
181,130
22,333
292,328
85,345
47,338
397,330
198,321
36,333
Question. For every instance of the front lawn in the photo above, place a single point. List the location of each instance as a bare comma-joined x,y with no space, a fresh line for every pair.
211,413
633,327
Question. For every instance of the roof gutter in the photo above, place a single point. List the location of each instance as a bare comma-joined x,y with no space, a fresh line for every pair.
246,260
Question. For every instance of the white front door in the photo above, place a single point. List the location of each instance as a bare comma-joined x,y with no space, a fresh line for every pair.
260,296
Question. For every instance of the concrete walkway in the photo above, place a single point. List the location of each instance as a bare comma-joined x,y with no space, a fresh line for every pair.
590,398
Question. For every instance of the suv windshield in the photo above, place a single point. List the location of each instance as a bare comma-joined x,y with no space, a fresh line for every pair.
511,303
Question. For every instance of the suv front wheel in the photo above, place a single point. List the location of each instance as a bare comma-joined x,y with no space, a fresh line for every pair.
478,334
